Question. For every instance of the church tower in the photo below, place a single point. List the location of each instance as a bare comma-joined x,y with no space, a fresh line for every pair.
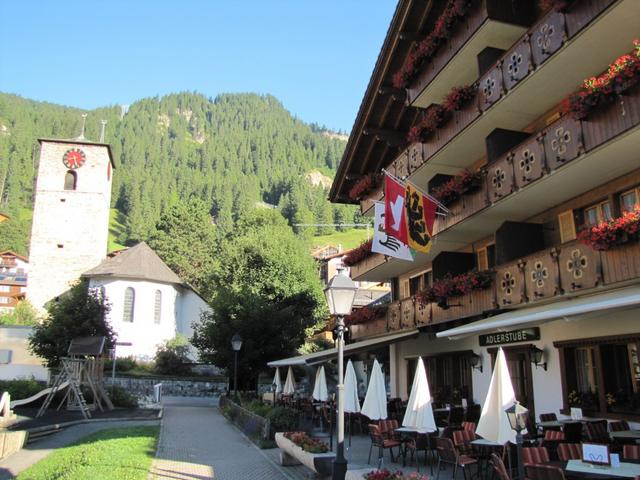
70,227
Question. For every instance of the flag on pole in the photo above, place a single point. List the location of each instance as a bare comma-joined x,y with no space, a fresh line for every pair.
420,215
395,222
383,242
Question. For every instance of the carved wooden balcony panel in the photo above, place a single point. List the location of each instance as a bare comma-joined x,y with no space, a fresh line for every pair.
402,165
611,120
490,88
580,14
509,285
374,327
465,306
393,316
547,37
408,312
579,267
621,263
562,142
416,156
500,178
465,206
517,63
541,275
528,161
423,313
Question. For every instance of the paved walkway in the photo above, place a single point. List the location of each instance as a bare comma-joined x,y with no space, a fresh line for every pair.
34,452
197,443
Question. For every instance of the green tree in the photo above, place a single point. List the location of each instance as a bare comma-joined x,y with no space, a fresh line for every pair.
79,312
22,314
172,358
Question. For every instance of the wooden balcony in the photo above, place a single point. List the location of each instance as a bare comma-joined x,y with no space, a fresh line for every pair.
366,204
490,23
547,275
527,81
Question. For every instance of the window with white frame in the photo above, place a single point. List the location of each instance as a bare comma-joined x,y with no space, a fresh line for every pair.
157,307
129,305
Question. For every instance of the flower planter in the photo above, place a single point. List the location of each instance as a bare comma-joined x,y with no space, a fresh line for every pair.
292,454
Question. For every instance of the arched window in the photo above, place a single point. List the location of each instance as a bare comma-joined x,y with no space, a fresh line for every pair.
70,180
157,307
129,304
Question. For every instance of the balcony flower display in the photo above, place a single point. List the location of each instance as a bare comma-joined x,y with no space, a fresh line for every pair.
464,182
621,75
557,5
451,286
423,51
459,97
389,475
612,232
365,314
307,443
363,186
358,254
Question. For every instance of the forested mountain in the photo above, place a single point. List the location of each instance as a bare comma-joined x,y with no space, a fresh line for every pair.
233,152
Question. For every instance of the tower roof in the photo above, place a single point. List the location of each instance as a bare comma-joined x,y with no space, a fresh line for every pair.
139,262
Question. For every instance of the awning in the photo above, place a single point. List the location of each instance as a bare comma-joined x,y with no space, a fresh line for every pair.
351,349
611,300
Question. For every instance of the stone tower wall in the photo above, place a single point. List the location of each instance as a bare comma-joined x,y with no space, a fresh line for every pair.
70,228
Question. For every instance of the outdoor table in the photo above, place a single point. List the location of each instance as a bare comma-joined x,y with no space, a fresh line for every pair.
561,423
582,470
625,435
484,448
409,433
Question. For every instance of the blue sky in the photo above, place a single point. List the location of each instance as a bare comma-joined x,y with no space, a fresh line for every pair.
315,56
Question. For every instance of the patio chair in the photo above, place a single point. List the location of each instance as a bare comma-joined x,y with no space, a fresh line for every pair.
631,452
499,468
569,451
548,417
469,426
447,453
422,442
597,432
535,455
462,441
388,429
543,472
619,426
377,440
572,432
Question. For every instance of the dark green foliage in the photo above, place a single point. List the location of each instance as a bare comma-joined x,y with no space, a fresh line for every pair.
283,419
230,152
79,312
21,388
125,364
121,398
172,358
23,314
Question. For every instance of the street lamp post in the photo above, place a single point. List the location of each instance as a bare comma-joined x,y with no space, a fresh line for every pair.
236,345
517,416
340,293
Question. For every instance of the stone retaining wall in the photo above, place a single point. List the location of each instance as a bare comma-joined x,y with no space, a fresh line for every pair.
184,388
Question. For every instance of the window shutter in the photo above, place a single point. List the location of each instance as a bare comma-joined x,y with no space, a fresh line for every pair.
567,226
405,289
483,259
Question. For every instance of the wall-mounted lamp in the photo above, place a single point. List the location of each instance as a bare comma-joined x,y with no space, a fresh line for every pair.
536,357
476,362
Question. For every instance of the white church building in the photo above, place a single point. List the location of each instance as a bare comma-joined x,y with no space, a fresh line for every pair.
149,302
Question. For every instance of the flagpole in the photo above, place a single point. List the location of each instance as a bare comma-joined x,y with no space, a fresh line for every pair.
434,200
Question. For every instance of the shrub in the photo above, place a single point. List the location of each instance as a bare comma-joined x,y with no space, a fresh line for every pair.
122,398
23,314
172,358
282,419
257,407
20,388
125,364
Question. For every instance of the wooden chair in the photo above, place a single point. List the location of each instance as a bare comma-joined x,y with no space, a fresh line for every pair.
548,417
462,441
619,426
377,440
535,455
499,468
597,432
569,451
631,452
543,472
388,429
447,453
469,426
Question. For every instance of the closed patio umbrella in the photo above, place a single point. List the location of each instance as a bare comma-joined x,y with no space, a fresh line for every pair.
375,401
289,384
320,392
419,414
277,381
494,424
351,400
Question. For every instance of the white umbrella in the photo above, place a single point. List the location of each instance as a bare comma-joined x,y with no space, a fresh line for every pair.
494,423
351,400
277,381
375,401
419,414
289,384
320,392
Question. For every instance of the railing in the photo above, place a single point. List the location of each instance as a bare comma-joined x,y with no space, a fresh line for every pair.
567,269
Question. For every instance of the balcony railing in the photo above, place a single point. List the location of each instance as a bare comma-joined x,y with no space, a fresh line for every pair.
551,273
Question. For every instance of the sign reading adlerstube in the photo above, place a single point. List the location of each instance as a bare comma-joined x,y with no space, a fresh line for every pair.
514,336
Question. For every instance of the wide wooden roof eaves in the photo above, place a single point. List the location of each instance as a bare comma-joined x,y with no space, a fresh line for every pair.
382,110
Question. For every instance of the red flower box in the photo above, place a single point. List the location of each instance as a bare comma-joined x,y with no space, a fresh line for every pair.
466,181
612,232
363,186
455,286
358,254
365,314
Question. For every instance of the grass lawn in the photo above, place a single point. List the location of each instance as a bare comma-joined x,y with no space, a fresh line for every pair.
114,454
348,239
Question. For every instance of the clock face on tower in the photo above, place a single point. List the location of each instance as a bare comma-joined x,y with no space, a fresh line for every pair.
74,158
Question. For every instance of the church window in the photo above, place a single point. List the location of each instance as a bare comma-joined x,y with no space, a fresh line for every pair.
129,304
70,180
157,307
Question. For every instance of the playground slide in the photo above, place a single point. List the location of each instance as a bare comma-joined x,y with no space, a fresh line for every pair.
41,393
